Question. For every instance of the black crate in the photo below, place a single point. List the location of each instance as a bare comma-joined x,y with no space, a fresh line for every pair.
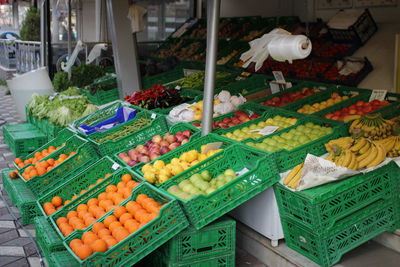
358,33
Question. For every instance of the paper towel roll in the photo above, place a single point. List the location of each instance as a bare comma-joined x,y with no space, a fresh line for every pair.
289,47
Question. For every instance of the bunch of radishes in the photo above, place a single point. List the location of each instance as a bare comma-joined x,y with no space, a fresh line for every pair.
154,148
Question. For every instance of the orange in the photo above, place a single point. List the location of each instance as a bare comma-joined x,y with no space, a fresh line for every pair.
82,214
105,203
99,213
48,205
44,164
127,192
75,244
107,175
72,153
89,237
26,162
33,173
37,154
99,246
124,217
97,227
63,156
114,225
75,221
119,211
91,186
61,220
93,208
118,200
82,207
132,207
108,220
102,196
74,196
121,185
93,201
111,241
21,165
49,169
56,201
132,228
82,192
71,214
109,208
41,170
84,252
80,226
140,215
50,211
50,162
130,222
103,232
120,233
110,195
99,180
66,229
18,161
126,178
89,221
59,207
111,188
66,202
140,198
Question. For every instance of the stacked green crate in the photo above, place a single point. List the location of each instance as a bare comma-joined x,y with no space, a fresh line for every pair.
325,222
213,245
23,138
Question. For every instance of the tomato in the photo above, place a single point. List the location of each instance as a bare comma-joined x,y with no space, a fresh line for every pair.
375,102
359,103
367,109
352,111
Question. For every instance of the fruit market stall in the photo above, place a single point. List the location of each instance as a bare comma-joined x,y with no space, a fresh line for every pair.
109,180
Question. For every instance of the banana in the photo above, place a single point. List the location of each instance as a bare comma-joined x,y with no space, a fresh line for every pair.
353,162
389,144
340,161
330,157
371,156
292,174
359,144
294,183
347,158
380,156
365,148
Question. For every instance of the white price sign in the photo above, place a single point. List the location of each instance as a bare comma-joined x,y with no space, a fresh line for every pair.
266,130
378,95
279,76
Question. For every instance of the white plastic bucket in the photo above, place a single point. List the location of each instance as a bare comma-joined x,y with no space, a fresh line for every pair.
22,87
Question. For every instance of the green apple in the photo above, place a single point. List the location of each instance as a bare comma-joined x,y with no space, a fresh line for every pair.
230,172
206,175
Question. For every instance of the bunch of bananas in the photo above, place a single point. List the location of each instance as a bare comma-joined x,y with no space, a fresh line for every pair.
372,126
391,145
363,153
343,143
292,180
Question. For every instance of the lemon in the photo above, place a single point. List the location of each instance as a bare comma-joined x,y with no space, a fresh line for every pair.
162,179
147,167
177,169
150,176
175,161
165,172
159,164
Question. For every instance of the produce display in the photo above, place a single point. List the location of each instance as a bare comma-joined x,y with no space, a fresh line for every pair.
157,96
114,228
356,110
57,202
62,108
296,137
254,130
38,156
86,214
42,167
289,97
168,52
197,79
334,99
201,184
239,117
185,53
160,171
125,130
372,126
224,103
81,76
154,148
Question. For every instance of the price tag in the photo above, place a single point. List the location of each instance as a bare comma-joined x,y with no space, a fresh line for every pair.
250,113
266,130
115,166
276,87
177,88
211,146
239,173
378,95
279,76
153,116
187,72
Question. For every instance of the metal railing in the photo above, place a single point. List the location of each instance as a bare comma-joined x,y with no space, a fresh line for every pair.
7,54
27,56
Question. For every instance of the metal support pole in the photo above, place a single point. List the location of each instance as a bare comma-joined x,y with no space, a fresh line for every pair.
43,34
199,8
125,52
213,7
55,27
15,14
69,35
48,39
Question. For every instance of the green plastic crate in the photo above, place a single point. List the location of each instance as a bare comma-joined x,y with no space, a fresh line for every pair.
262,173
352,231
321,207
93,192
249,86
181,126
21,196
194,144
109,147
85,155
80,181
132,249
23,138
61,259
268,114
214,239
287,159
102,97
49,242
249,108
218,260
98,116
58,141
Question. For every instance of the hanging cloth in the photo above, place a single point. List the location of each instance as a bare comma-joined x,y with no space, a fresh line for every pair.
136,14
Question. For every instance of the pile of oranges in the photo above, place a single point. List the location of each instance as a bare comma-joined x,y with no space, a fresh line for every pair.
37,157
115,228
57,202
95,208
41,167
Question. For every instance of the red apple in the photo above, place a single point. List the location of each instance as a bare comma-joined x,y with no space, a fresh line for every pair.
132,163
154,155
144,159
164,150
184,141
170,138
187,133
164,143
123,154
174,145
